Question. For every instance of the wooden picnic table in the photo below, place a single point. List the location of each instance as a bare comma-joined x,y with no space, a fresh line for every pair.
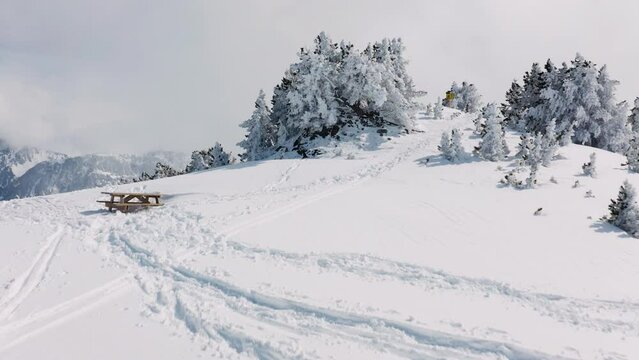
124,200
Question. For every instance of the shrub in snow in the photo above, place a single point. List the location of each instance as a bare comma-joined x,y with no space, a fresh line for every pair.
429,110
624,212
438,109
451,147
589,168
492,145
465,97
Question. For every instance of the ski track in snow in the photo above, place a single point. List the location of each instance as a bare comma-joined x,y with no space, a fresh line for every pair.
22,286
18,331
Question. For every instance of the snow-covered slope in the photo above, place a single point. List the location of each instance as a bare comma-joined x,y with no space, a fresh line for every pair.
372,254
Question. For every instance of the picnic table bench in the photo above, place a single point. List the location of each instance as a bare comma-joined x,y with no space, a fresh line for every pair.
124,200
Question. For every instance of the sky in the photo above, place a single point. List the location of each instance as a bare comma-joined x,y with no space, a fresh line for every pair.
86,76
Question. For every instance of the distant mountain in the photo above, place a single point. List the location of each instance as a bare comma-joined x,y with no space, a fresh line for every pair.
27,171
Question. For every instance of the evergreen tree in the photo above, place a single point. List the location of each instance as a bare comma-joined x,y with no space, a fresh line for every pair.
512,109
465,97
218,157
456,148
590,168
429,110
624,212
632,156
492,145
549,144
261,137
438,109
633,119
444,145
199,161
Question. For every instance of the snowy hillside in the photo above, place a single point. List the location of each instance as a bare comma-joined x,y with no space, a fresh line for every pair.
385,251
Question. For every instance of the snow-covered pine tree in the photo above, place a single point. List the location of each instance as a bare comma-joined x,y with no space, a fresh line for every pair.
526,143
549,144
512,110
438,109
632,156
262,137
279,110
590,168
218,157
313,106
429,110
199,161
492,145
362,86
456,148
615,133
582,90
469,99
479,124
163,170
452,96
404,82
633,119
624,212
444,145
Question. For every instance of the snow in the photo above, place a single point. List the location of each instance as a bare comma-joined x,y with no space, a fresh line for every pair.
377,253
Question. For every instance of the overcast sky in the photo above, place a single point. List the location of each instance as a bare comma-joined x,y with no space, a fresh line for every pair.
118,76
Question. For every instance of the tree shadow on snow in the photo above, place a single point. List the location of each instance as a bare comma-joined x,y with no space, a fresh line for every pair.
602,226
438,160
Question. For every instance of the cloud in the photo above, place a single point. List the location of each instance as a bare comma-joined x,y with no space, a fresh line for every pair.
131,76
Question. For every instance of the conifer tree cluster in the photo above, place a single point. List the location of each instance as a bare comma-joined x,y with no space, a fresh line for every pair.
465,97
161,171
208,159
581,99
451,146
331,85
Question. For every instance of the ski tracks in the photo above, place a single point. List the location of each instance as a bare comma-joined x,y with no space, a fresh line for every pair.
24,284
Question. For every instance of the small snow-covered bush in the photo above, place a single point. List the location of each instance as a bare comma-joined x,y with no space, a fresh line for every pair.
589,168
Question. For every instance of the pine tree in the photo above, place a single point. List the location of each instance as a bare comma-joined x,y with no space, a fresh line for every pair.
465,97
549,144
444,145
456,148
163,170
615,133
512,110
438,109
492,145
632,156
429,110
218,157
624,212
633,119
590,168
199,161
261,138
